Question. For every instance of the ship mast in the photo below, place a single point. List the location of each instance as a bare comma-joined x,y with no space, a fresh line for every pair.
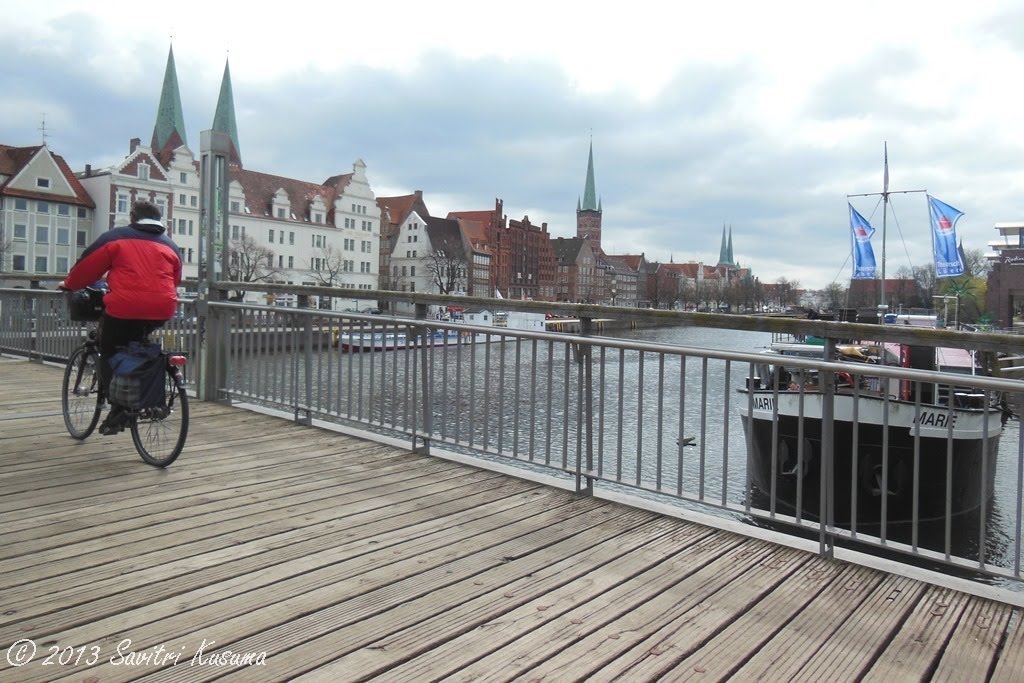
884,194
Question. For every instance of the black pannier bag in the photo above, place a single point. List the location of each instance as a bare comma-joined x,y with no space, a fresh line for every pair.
139,376
85,305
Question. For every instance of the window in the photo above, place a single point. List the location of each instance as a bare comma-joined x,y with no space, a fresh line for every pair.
318,218
190,256
43,182
63,236
291,261
280,212
62,264
81,212
280,261
40,264
182,226
42,207
42,234
20,231
270,238
143,171
63,210
21,205
412,271
18,263
236,207
367,247
194,202
234,232
280,238
122,203
291,238
183,177
182,200
80,238
190,225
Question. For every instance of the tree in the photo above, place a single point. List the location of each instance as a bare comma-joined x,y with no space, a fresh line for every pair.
448,267
249,261
327,266
835,296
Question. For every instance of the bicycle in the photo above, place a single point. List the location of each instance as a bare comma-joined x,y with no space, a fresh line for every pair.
159,432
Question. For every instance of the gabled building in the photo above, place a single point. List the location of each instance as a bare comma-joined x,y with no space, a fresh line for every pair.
579,277
493,223
623,282
478,280
393,212
46,216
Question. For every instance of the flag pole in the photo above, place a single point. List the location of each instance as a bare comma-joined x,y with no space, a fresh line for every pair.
885,210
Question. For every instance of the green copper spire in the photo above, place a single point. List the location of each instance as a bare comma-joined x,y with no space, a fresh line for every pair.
169,118
224,117
589,192
723,253
730,261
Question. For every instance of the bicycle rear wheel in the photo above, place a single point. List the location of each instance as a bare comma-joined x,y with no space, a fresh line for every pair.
80,392
159,433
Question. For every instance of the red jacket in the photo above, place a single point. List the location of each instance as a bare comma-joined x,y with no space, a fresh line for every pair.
143,271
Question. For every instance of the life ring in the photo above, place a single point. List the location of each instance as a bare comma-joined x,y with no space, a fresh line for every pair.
844,379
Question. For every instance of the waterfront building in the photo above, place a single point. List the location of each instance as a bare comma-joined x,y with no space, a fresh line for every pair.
46,216
1005,291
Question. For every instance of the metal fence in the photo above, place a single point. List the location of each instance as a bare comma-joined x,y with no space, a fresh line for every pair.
690,426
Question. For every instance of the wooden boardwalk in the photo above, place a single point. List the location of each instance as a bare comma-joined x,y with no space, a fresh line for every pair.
343,559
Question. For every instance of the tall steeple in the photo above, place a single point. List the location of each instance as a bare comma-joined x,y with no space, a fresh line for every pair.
169,131
224,117
723,253
731,262
588,212
589,190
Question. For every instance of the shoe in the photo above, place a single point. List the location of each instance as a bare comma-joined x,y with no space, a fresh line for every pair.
115,422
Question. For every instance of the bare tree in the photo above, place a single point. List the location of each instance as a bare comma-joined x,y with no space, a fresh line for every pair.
448,267
835,296
249,261
327,266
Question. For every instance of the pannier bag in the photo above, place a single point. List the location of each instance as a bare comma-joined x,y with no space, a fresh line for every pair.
85,305
139,376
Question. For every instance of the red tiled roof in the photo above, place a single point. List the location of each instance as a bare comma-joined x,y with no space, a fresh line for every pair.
483,217
475,234
395,209
260,188
14,159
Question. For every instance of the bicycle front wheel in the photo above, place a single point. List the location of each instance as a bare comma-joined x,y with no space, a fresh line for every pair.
80,392
159,433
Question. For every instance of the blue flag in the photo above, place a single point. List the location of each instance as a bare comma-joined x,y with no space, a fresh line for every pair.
948,261
863,255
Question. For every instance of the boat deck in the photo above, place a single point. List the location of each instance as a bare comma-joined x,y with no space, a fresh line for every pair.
324,557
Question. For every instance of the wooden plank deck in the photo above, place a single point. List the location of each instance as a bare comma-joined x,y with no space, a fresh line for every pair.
343,559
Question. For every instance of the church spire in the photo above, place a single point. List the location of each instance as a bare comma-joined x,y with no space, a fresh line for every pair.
590,190
731,262
169,131
224,117
723,252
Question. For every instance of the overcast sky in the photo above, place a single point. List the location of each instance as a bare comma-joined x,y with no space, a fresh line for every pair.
759,116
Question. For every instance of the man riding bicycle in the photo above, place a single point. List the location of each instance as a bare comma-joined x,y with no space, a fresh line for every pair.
143,270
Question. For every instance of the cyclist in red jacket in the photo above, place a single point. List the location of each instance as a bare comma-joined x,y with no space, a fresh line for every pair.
143,270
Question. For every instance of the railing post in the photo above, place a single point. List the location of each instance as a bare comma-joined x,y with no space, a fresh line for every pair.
423,340
585,360
307,364
826,495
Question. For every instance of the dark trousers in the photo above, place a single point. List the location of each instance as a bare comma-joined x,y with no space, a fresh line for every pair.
114,332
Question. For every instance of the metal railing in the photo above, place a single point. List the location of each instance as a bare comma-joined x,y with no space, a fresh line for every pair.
685,425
